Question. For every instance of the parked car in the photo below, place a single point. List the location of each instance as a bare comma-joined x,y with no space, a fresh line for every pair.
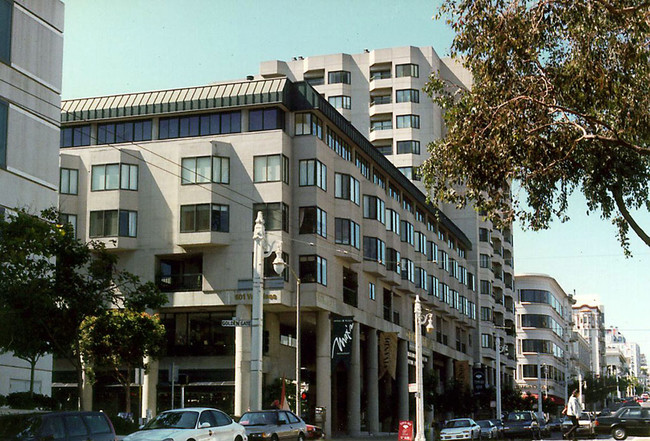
197,423
521,424
499,425
554,424
488,429
460,428
626,421
544,430
59,426
274,425
314,432
586,425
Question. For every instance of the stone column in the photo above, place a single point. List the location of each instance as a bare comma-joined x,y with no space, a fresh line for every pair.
324,368
242,361
402,381
449,369
354,384
372,382
149,392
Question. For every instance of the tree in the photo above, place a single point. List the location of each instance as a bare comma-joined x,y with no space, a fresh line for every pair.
118,341
560,101
70,281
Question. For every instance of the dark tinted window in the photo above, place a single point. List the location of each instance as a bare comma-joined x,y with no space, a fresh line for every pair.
53,427
207,417
11,425
75,425
97,423
221,418
6,11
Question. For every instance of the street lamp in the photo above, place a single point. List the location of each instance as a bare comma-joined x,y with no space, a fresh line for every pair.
498,382
420,319
279,265
261,249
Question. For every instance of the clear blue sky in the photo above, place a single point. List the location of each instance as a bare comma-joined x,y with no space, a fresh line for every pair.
119,46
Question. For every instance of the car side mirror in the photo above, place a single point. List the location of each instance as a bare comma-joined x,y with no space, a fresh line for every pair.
204,425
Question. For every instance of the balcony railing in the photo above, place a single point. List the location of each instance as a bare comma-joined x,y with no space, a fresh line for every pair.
180,282
381,125
380,100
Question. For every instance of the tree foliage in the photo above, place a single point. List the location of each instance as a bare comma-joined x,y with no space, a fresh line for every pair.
559,102
55,282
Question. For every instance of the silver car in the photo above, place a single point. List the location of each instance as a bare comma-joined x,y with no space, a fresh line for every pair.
273,425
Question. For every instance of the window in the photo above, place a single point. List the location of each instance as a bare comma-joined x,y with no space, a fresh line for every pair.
205,169
75,136
392,221
114,176
380,74
128,131
410,173
340,101
313,220
110,223
384,150
408,147
393,192
313,172
4,112
69,179
6,19
347,232
541,321
69,219
486,287
487,341
339,76
372,295
265,119
199,125
385,124
205,217
336,143
433,285
407,205
350,287
541,296
276,216
380,99
271,168
421,278
393,260
374,208
483,235
308,124
408,121
407,70
363,165
408,269
315,81
420,243
432,254
346,187
407,232
407,96
485,261
313,269
379,179
374,249
443,260
486,314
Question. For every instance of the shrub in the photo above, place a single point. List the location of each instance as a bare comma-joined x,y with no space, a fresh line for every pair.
123,426
25,400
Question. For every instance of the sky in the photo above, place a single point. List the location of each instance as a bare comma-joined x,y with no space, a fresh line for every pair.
121,46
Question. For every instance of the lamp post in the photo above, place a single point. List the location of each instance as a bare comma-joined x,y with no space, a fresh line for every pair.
279,265
540,409
261,249
498,382
420,320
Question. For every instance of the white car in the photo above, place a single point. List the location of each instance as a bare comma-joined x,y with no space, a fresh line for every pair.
196,423
460,428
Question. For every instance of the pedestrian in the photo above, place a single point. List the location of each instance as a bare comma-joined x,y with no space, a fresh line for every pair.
573,411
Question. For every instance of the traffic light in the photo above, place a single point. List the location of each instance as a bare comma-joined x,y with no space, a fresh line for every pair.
265,342
303,396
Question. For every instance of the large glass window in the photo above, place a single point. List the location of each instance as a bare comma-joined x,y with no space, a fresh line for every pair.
6,14
340,101
374,249
339,76
346,187
392,221
127,131
313,220
276,216
197,333
408,121
541,321
199,125
271,168
339,145
407,233
109,223
393,260
407,96
75,136
408,147
374,208
265,119
114,176
384,124
407,70
69,181
350,287
71,219
313,269
308,124
205,169
380,74
540,296
347,232
205,217
313,172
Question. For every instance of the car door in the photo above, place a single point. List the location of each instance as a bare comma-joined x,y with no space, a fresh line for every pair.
284,430
225,430
632,421
206,427
297,425
645,422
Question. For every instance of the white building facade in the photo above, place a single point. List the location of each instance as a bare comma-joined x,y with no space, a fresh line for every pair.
31,53
171,180
589,321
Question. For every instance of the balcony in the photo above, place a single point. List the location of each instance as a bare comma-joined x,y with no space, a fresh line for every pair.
118,243
203,239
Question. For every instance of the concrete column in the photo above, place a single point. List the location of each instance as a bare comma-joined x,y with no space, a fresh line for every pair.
354,384
324,368
149,392
86,390
372,382
242,361
449,368
402,381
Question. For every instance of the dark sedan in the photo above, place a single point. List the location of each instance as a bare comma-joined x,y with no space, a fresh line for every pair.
626,421
273,425
521,424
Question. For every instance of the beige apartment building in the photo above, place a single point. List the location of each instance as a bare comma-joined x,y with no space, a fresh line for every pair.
589,321
31,53
172,180
381,93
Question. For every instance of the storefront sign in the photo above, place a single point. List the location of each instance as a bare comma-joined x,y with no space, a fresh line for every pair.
342,340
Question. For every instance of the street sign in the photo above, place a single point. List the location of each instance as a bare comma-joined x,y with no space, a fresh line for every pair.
479,380
235,322
413,387
405,431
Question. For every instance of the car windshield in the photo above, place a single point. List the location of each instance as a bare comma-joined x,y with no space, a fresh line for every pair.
484,423
456,423
19,426
519,416
173,420
258,418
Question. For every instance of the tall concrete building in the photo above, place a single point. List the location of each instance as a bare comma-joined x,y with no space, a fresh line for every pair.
543,336
589,321
31,53
380,92
172,181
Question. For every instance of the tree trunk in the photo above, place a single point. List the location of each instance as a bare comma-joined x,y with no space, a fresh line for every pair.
128,390
80,379
32,369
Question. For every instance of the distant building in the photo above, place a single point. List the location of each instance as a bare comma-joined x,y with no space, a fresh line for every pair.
31,54
589,321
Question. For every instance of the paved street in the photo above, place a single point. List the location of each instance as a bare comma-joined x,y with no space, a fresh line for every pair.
393,437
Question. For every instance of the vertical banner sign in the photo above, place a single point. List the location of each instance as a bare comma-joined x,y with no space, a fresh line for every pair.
462,374
342,340
405,431
387,354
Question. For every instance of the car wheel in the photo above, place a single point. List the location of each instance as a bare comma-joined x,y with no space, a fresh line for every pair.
618,433
301,437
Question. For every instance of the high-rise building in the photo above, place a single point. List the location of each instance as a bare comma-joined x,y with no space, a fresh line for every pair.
31,53
589,321
381,92
172,181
